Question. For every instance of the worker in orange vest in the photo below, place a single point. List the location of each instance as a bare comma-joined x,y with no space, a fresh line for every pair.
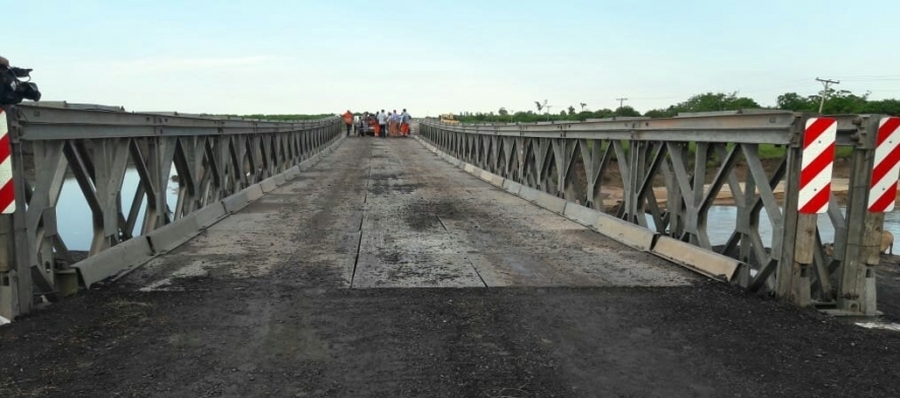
348,120
404,123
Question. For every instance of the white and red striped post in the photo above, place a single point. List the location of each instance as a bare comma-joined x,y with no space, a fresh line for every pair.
7,191
11,301
857,292
816,164
886,169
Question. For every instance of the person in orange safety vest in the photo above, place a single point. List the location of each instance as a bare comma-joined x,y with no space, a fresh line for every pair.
348,120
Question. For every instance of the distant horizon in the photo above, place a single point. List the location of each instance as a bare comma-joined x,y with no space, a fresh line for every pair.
280,57
763,105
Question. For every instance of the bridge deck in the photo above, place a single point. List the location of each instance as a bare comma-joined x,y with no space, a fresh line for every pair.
324,288
394,215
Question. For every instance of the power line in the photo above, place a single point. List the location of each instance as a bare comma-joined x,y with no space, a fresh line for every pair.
774,86
621,101
825,83
867,77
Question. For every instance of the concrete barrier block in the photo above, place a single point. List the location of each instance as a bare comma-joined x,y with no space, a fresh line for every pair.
497,181
512,187
625,232
528,193
240,199
280,178
268,185
210,214
254,192
291,173
485,175
108,263
235,202
175,234
469,168
550,202
697,259
583,215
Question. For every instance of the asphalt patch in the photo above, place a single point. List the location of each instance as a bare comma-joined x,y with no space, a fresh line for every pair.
383,176
386,188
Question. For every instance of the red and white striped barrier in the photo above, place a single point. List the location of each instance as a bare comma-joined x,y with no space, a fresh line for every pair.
7,194
883,191
817,164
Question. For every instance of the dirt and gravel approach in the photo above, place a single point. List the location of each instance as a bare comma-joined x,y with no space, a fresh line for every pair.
384,272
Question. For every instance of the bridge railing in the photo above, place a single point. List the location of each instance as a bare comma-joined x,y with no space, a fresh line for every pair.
148,175
668,175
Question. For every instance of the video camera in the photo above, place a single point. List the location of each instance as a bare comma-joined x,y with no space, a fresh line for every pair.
13,90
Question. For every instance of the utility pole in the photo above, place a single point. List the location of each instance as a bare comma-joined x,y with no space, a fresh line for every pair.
825,83
621,102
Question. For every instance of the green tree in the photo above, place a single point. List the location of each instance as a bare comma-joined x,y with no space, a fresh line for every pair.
711,102
655,113
885,107
582,116
797,103
571,110
626,111
844,101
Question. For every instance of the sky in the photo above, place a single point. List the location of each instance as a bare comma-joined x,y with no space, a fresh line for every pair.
243,57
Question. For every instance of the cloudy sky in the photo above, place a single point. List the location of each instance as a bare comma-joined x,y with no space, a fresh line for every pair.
432,57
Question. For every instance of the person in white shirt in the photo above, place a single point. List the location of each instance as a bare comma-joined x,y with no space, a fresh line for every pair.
382,123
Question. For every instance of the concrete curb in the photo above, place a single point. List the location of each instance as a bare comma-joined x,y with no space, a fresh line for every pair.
210,214
704,262
528,193
269,184
127,256
291,173
512,187
552,203
711,264
625,232
581,214
242,198
173,235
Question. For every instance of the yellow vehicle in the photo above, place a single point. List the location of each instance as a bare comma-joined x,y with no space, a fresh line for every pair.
448,118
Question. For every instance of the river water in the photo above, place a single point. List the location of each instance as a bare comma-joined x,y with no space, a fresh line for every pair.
75,225
74,216
721,222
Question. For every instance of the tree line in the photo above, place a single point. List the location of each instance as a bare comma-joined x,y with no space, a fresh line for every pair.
287,117
836,102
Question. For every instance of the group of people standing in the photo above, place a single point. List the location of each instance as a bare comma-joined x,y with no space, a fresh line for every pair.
382,123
